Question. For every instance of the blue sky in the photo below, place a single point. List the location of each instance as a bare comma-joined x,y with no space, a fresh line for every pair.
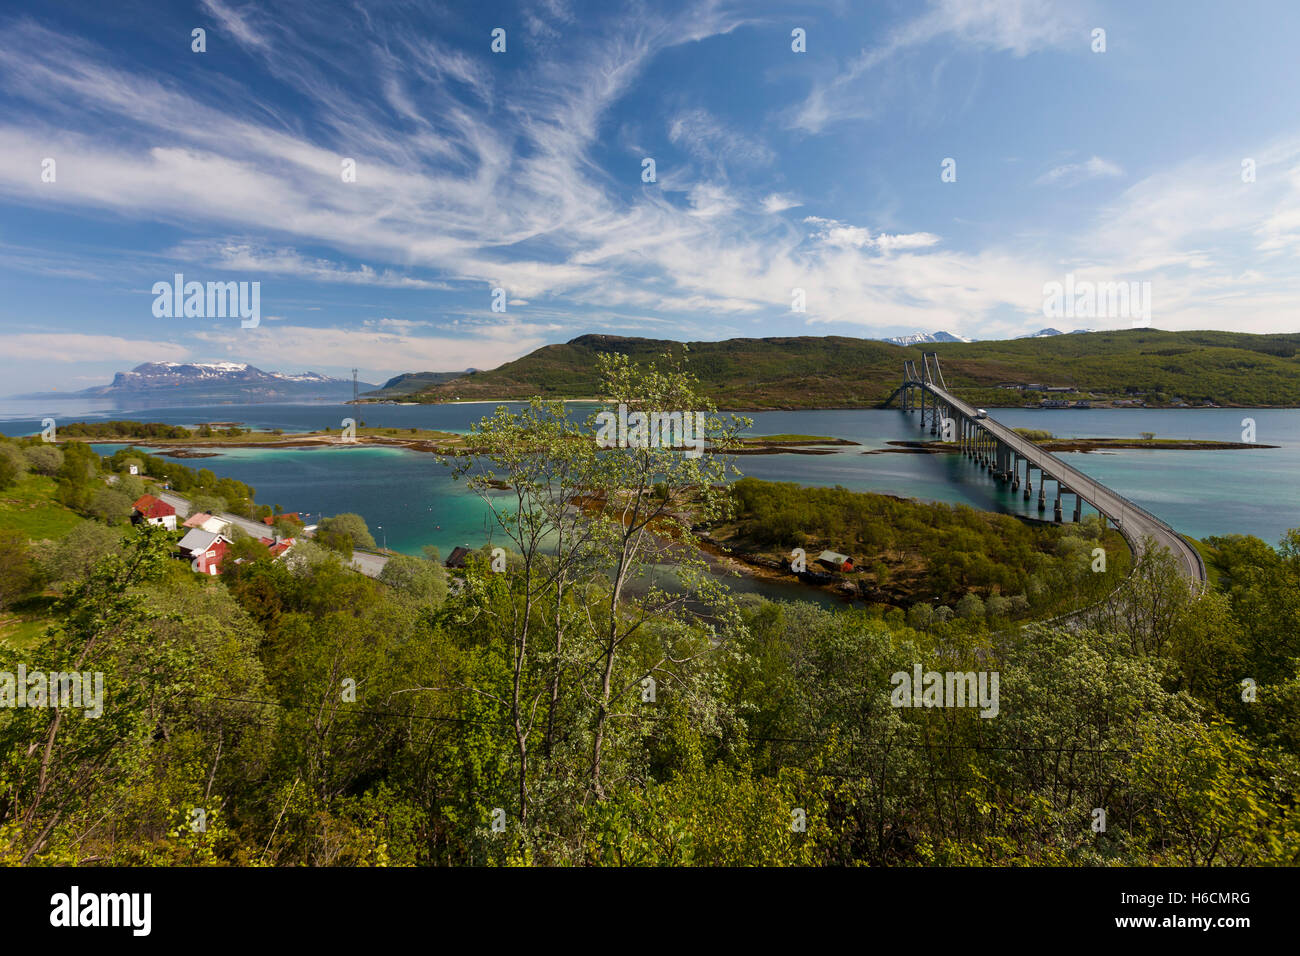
522,170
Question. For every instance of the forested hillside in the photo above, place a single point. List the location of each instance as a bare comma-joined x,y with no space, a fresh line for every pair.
1226,368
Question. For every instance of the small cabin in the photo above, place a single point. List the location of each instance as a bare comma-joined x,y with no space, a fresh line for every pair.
835,561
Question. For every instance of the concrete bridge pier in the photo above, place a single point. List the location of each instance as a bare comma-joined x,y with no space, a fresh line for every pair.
1029,480
1056,507
1015,472
1042,489
1078,507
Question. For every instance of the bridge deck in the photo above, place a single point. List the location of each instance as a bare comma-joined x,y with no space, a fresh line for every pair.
1134,523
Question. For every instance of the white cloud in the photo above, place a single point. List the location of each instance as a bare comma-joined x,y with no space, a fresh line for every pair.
1071,174
709,140
65,347
380,352
835,233
776,202
235,23
252,258
447,200
1017,27
400,326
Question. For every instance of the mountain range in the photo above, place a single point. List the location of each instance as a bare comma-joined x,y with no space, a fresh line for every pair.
188,382
924,338
1046,333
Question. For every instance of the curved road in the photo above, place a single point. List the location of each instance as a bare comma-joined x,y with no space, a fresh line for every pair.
1134,522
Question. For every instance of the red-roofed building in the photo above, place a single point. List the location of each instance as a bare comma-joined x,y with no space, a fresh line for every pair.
281,546
205,549
207,522
153,510
286,516
209,561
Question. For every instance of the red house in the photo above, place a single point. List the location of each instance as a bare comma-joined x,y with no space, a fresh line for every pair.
205,549
153,510
209,562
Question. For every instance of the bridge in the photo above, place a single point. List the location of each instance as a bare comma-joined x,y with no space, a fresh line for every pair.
1007,454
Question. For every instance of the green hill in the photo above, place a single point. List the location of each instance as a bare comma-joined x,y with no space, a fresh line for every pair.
402,385
1227,368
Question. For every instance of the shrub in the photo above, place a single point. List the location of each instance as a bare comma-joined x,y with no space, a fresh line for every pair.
346,528
13,465
44,459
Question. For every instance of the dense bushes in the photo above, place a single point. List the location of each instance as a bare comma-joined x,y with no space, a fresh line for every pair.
933,551
320,717
123,429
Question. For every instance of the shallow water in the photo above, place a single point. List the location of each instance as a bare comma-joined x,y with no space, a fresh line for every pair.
410,499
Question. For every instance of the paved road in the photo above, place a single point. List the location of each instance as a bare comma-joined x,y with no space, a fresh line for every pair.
182,506
1134,522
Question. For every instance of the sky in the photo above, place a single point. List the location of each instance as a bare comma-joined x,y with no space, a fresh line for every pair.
838,168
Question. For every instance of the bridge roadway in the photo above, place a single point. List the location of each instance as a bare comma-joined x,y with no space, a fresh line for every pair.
1133,522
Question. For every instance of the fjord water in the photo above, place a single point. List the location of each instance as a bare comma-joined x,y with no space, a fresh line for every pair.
414,500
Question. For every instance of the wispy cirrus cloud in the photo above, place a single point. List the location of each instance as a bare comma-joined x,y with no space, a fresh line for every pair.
252,258
1071,174
1015,27
475,171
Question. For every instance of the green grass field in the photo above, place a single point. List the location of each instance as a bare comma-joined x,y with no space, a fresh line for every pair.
29,506
20,632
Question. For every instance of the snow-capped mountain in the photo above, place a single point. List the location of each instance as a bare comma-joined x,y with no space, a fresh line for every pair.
223,380
1044,333
925,338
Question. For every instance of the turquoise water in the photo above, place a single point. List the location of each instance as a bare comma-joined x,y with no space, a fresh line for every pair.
410,500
